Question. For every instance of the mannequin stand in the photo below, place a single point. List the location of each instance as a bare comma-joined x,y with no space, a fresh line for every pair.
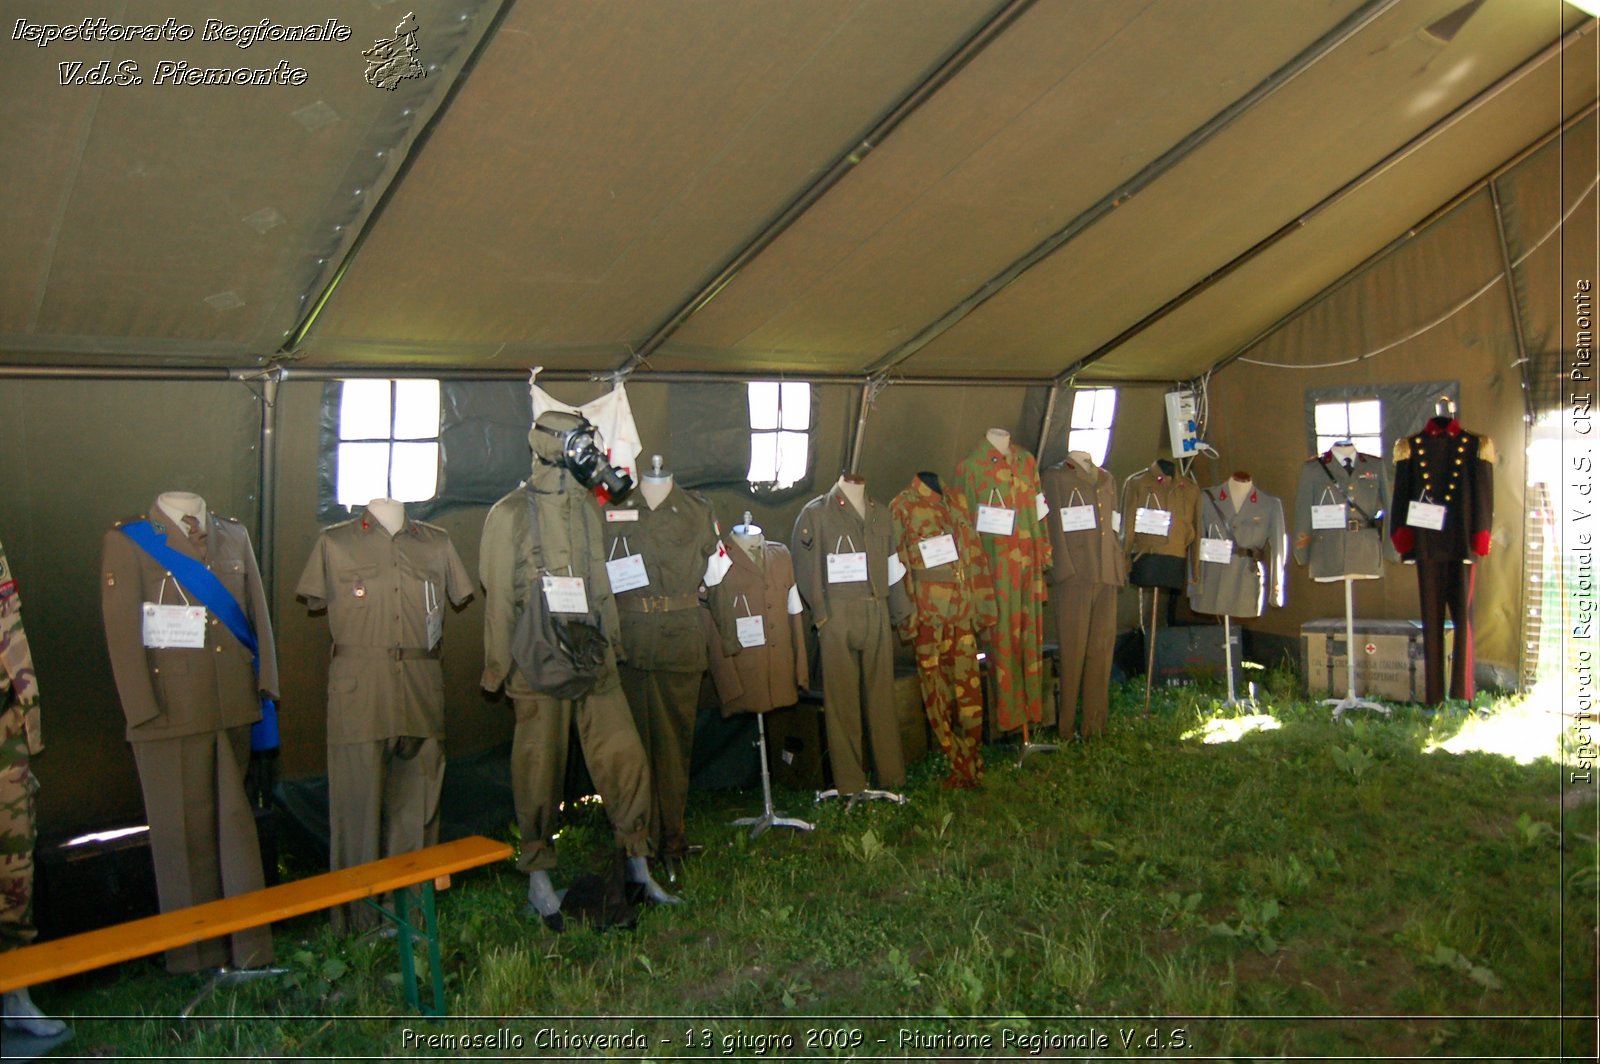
868,795
1032,747
1350,699
769,818
1150,637
1233,701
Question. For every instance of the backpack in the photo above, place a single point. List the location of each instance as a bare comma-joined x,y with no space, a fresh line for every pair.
560,654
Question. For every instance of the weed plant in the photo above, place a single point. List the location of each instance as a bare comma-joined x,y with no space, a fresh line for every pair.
1306,889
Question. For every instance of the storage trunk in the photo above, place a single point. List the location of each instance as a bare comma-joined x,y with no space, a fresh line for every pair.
1389,662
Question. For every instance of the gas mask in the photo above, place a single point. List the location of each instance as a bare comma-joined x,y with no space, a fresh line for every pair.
567,440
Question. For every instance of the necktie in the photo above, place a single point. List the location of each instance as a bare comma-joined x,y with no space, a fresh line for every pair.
196,537
1349,465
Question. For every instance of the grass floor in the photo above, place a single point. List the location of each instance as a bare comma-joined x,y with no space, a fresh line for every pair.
1297,888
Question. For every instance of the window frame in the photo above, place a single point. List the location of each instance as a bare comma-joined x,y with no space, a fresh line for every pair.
775,488
1073,428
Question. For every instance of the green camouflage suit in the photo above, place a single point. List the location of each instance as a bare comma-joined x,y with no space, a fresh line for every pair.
19,741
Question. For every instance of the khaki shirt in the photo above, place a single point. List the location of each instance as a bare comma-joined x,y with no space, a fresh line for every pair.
1357,547
828,525
1088,555
16,662
681,549
176,691
771,675
1155,490
384,680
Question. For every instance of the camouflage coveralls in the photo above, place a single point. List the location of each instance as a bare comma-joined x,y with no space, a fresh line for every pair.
952,600
19,741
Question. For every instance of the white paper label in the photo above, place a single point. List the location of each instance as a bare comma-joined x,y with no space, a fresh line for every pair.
1077,518
174,627
847,568
627,573
1425,515
613,516
752,631
1152,522
1216,550
1330,516
996,520
938,550
565,594
1042,506
1116,521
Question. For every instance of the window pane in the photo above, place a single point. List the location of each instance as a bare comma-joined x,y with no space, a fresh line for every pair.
1105,408
793,448
416,413
1365,418
763,457
763,404
796,406
1333,419
363,472
1095,441
1372,445
364,411
414,475
1082,409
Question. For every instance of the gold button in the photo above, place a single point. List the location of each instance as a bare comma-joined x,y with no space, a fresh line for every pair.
219,650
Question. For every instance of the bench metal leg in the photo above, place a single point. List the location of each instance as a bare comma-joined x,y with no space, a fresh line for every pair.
405,930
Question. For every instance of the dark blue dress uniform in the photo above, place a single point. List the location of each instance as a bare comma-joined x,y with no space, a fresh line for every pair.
1446,465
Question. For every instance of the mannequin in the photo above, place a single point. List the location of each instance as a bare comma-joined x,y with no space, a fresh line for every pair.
996,488
1245,525
191,736
655,485
383,581
1239,488
747,536
1083,458
854,489
569,541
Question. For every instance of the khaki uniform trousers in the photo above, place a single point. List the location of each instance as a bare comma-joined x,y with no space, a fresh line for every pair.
612,750
857,686
1086,626
383,799
203,837
664,706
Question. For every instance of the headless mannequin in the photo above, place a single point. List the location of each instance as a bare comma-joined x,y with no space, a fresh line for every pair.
388,513
854,488
1000,439
1344,451
1239,488
180,504
655,485
932,480
1082,458
1167,466
747,537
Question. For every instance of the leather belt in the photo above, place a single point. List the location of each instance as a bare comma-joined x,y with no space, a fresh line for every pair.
1258,554
657,603
341,650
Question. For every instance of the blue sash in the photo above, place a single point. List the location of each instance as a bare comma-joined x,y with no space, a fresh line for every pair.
203,585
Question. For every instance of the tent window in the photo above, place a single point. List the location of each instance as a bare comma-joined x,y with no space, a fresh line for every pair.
780,433
1358,420
388,441
1092,412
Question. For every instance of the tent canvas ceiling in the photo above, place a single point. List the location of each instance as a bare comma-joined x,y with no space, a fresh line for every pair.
572,173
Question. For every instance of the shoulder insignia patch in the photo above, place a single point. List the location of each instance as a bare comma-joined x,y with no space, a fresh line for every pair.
1402,449
1485,450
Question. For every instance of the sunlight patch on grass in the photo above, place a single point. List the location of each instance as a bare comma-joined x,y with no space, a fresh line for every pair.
1525,730
1232,729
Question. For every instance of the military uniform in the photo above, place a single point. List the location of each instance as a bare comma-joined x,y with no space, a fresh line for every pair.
1252,576
1448,466
1088,567
1017,564
385,685
188,713
571,544
20,740
770,674
1156,560
853,619
1355,548
953,598
663,637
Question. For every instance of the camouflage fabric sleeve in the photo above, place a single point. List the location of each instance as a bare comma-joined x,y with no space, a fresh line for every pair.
16,661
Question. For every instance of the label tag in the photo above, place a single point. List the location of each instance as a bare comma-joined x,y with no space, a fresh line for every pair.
938,550
997,520
1042,506
847,568
1328,516
613,516
565,594
1077,518
433,614
1216,550
1152,522
174,627
1425,515
1116,521
752,631
627,572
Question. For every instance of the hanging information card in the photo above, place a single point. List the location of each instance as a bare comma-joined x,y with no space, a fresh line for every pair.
1217,551
565,594
1425,515
174,627
938,550
1152,522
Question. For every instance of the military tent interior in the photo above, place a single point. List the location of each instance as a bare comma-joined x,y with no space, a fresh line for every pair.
946,215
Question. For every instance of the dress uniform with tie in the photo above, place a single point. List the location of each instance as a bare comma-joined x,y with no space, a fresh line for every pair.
1439,520
1338,508
658,560
189,709
385,596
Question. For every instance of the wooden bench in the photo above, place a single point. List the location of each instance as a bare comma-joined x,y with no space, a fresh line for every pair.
84,952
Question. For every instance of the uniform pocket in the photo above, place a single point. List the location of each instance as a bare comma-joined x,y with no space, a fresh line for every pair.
355,583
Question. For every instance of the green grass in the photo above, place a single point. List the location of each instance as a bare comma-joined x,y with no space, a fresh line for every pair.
1312,890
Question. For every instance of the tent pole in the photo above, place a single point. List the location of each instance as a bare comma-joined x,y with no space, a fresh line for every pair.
1049,416
867,391
267,515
